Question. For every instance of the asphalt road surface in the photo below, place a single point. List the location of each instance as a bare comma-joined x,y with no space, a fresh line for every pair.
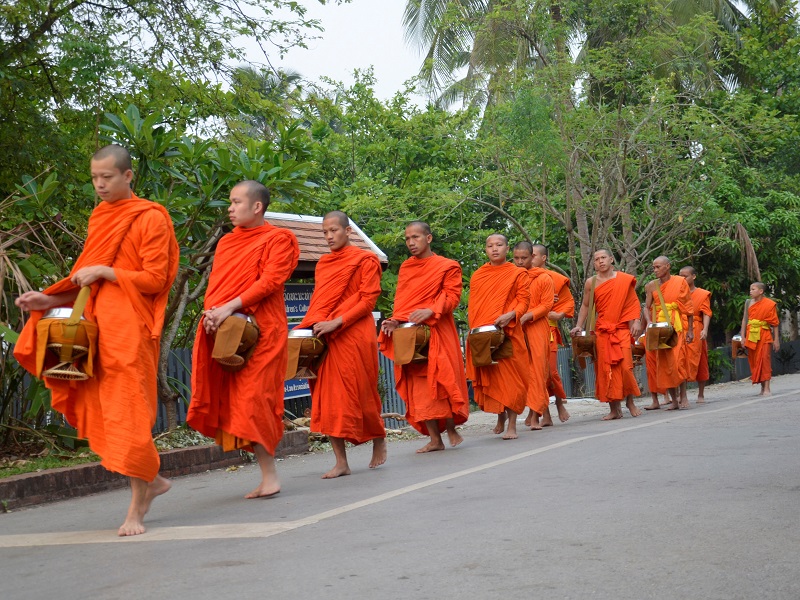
701,503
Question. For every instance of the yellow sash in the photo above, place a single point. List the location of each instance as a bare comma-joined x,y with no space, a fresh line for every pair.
552,324
754,327
676,316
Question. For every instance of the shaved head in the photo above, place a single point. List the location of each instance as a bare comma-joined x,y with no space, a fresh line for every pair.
604,251
540,248
690,269
759,285
121,156
524,246
343,219
255,191
500,235
664,260
426,229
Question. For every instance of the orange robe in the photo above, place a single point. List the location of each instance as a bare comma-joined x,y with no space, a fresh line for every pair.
758,340
245,407
667,368
564,302
437,388
116,409
617,304
537,335
697,351
496,290
344,396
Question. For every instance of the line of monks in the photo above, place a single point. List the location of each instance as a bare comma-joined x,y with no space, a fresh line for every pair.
130,260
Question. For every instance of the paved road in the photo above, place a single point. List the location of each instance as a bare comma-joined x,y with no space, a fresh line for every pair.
701,503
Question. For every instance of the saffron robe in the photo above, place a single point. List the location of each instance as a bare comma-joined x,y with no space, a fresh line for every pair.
617,304
344,396
537,335
761,316
666,368
435,390
116,409
246,407
496,290
564,303
697,351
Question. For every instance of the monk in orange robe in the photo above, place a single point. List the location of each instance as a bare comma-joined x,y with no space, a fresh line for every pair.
346,405
130,260
428,291
563,308
618,322
244,409
498,295
697,351
666,368
536,327
760,335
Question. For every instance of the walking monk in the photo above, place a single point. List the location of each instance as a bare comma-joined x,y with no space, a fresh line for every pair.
244,409
428,291
498,295
666,368
563,308
345,402
761,326
618,322
130,260
536,327
697,351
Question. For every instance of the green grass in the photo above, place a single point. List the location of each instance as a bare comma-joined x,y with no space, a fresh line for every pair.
18,466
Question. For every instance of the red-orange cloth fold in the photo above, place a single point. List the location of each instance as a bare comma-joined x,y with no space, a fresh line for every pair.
345,399
537,334
437,389
667,368
564,303
616,304
116,409
759,354
252,264
697,351
496,290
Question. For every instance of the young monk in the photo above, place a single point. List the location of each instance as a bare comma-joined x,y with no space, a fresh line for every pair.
697,351
666,368
499,294
243,410
536,327
563,308
130,260
346,405
760,325
618,321
428,291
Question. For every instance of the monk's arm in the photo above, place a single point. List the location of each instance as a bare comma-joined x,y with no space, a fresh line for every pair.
706,323
567,305
152,277
450,296
40,301
648,303
280,259
583,313
368,292
519,305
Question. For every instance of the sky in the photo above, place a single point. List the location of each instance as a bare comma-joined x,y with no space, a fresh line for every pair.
358,35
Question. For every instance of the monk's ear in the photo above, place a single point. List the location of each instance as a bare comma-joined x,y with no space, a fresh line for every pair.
128,175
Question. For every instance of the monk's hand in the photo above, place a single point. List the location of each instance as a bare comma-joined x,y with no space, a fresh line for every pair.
703,334
555,316
388,326
218,314
34,301
776,345
575,330
636,328
324,327
505,319
689,336
420,315
88,275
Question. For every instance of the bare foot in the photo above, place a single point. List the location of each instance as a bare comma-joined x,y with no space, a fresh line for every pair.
142,496
431,447
563,413
337,471
632,408
701,400
378,453
511,435
652,407
613,415
536,427
501,424
264,491
547,420
454,437
683,405
673,405
528,419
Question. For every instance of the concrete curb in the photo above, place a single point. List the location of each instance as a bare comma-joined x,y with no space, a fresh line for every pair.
30,489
